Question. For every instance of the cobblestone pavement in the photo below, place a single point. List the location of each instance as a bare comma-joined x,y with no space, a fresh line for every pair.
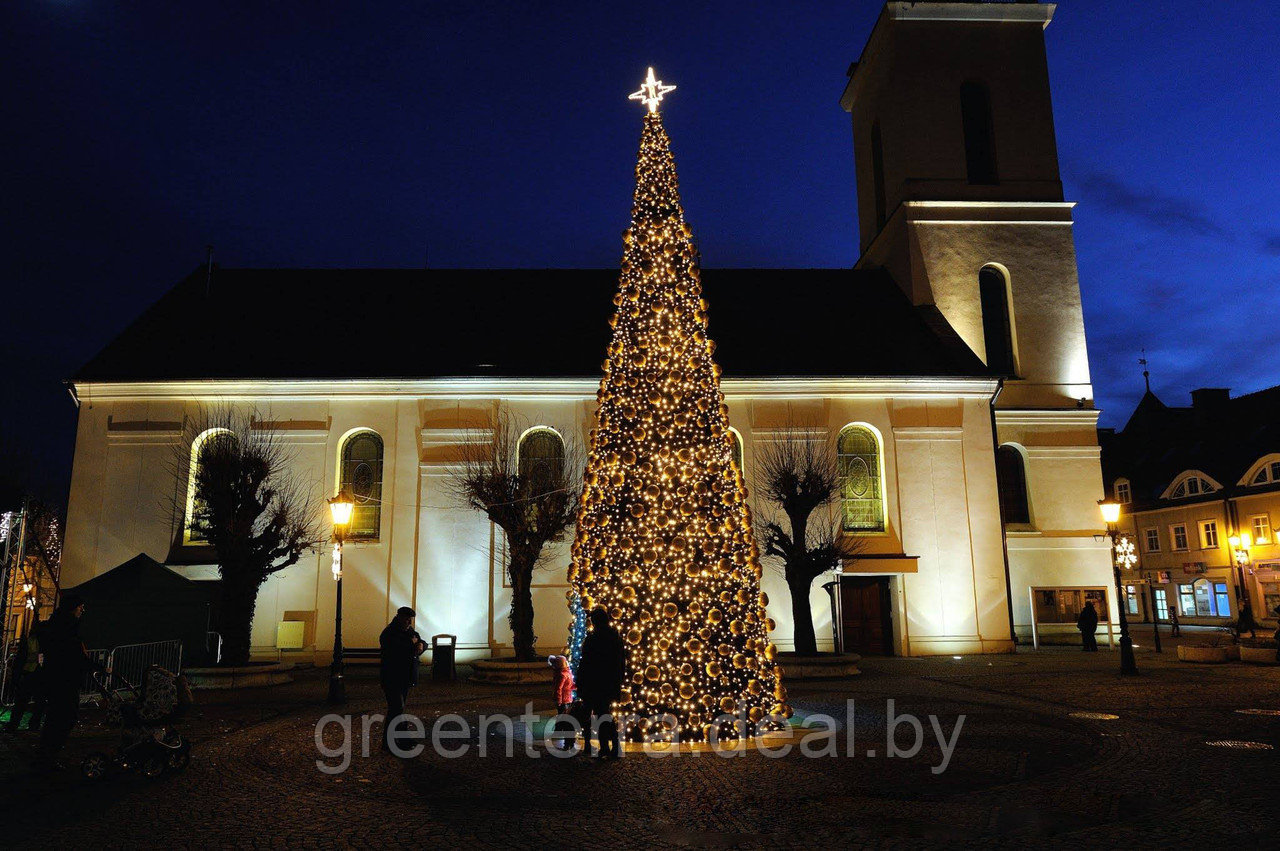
1024,770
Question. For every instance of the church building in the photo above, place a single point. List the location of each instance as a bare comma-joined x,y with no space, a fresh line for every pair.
947,370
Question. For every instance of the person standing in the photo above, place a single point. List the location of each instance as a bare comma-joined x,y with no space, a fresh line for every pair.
65,664
1087,623
601,672
399,649
562,689
28,668
1175,630
1246,623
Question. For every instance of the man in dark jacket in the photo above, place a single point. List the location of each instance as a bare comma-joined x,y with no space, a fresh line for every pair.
400,648
65,664
601,672
1087,623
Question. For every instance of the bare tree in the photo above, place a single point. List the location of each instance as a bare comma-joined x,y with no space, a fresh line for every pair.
249,505
534,503
797,483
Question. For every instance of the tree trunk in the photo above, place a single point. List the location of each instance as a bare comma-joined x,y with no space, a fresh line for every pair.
802,617
235,615
521,573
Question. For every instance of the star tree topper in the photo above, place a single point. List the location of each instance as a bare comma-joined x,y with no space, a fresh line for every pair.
651,92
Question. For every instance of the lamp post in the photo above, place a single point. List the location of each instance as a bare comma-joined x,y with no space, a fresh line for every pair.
1240,545
1111,516
340,507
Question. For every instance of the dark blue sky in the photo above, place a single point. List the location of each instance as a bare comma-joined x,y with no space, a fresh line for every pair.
498,134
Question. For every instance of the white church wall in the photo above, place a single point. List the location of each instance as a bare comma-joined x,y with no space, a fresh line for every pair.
447,562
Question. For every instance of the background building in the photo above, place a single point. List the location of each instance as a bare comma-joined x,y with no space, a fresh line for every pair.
948,369
1193,480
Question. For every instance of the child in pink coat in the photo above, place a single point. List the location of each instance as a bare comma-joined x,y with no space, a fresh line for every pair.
562,687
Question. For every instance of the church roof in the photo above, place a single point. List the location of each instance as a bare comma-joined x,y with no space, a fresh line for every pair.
517,323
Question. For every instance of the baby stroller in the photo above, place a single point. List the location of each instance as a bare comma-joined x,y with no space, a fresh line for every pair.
149,744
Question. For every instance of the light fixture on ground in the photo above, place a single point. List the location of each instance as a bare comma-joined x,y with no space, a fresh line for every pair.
1111,516
340,509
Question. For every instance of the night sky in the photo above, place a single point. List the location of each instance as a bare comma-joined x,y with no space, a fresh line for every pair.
496,134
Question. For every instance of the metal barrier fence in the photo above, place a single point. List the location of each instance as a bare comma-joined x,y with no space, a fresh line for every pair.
129,662
87,688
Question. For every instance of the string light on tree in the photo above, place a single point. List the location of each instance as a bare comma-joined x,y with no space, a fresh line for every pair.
664,540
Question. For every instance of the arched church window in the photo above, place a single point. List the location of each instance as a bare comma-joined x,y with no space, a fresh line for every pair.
540,457
735,449
1011,482
210,450
858,460
877,175
362,478
997,329
979,133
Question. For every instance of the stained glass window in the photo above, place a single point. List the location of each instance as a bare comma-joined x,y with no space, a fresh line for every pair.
362,478
858,457
540,458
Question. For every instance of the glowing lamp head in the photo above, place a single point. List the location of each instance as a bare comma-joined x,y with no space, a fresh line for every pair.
1234,541
1246,540
1110,511
340,507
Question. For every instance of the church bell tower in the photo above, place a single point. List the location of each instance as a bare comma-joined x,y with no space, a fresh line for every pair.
959,194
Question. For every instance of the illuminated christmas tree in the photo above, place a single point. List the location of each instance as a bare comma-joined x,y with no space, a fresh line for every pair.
664,539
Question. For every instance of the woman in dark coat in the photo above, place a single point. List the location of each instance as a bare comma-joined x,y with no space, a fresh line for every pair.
1087,623
600,676
65,664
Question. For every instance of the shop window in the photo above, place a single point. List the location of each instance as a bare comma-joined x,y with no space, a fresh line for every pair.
1131,599
1162,604
1204,599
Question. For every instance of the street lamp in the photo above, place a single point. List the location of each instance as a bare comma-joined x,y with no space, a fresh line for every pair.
340,508
1111,516
1240,545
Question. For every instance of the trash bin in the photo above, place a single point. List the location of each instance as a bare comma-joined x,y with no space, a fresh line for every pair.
443,668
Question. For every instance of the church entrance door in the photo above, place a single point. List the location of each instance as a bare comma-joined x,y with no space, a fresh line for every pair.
865,623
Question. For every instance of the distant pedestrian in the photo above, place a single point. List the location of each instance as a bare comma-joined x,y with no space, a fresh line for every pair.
1246,622
399,649
562,690
28,669
600,676
1087,623
1175,629
1277,634
66,662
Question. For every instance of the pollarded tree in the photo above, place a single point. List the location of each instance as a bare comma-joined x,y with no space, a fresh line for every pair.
246,502
527,482
797,484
